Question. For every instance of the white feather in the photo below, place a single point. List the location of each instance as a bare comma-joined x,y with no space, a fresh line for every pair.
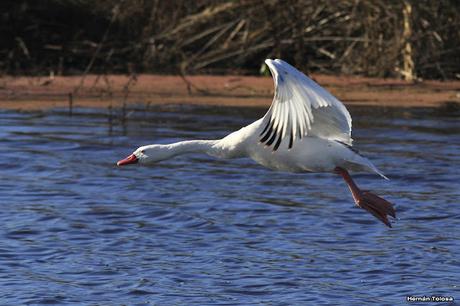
301,105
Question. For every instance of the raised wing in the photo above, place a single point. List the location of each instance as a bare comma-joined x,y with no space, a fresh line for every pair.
302,108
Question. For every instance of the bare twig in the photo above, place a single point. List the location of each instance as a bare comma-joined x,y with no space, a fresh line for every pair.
115,13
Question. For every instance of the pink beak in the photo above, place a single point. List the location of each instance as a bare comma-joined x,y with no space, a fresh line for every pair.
132,159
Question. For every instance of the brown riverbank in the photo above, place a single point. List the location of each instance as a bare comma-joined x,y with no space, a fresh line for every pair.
34,93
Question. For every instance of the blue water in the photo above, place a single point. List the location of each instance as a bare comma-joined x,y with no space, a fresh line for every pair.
76,229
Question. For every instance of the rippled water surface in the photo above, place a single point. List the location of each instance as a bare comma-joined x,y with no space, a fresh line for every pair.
75,229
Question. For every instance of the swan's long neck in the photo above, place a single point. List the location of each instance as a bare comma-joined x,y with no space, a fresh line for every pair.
231,146
192,146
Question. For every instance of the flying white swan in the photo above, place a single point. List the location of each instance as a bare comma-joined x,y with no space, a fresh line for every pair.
306,129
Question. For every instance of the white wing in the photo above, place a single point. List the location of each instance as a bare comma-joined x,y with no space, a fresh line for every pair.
302,108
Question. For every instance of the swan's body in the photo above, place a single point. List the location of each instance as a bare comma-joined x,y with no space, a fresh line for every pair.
322,155
306,129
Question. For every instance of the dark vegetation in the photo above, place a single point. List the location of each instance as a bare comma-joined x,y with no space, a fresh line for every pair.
408,39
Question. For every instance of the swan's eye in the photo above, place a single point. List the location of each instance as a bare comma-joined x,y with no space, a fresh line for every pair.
142,151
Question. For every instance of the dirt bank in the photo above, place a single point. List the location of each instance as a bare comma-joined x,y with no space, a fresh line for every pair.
33,93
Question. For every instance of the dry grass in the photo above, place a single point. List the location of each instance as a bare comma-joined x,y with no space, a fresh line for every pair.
373,38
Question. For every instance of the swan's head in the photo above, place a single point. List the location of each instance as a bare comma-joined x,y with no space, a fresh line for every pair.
147,155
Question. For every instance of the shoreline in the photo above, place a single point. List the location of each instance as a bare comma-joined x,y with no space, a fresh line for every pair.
101,91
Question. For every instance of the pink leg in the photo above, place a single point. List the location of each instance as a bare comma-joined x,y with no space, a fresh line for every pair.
374,204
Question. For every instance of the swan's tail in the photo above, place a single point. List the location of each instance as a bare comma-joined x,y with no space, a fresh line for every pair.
372,168
360,163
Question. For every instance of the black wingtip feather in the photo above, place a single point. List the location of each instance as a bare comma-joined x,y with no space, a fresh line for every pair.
272,139
266,126
278,142
291,139
267,134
